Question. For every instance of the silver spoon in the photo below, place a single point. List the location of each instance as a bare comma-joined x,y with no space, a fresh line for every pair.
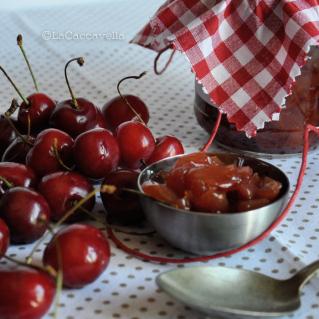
235,293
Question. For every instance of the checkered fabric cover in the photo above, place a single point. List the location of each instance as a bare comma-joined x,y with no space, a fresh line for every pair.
245,53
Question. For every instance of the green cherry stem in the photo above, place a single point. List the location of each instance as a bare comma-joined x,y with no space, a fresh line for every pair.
15,87
20,44
80,62
125,99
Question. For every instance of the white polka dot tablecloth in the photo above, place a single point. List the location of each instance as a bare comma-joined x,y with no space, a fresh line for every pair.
100,32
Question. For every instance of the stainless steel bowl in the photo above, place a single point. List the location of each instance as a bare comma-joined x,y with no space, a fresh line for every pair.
205,233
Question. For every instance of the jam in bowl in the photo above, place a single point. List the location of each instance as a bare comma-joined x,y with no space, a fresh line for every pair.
221,228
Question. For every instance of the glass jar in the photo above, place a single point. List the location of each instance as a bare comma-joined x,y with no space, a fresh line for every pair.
278,137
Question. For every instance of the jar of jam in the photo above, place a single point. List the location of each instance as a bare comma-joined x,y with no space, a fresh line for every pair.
284,136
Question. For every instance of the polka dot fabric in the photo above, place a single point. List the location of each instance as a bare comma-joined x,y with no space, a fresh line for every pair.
127,288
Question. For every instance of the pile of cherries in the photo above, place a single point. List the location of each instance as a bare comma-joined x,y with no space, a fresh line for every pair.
52,153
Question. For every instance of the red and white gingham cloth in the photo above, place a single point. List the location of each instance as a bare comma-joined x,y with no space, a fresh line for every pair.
246,53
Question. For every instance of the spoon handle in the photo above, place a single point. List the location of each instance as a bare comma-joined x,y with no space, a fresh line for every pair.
306,273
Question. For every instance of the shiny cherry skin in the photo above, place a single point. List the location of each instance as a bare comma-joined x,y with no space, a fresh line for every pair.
100,120
39,109
122,207
166,146
7,134
25,293
96,153
17,175
116,111
41,157
75,121
4,238
84,251
63,190
136,143
17,151
26,213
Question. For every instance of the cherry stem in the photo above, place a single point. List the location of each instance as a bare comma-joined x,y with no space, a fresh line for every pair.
7,114
80,62
213,134
15,87
47,269
6,182
125,99
91,215
57,155
20,44
155,66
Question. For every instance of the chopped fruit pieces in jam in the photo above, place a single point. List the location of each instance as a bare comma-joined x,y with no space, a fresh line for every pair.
204,183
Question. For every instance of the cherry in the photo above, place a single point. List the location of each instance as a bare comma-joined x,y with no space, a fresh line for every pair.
76,115
96,153
125,108
4,238
16,175
7,134
122,207
17,151
38,107
26,213
136,143
62,190
51,152
166,146
84,252
25,293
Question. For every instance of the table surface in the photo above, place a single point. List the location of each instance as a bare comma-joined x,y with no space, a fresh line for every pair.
127,289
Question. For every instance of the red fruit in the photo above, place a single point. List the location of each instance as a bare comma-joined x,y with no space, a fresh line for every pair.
26,213
96,153
17,151
4,238
100,122
7,134
75,121
122,207
136,143
117,111
42,158
84,252
17,175
39,110
63,190
25,293
166,146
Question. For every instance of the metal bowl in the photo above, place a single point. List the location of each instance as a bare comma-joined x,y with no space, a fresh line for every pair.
206,233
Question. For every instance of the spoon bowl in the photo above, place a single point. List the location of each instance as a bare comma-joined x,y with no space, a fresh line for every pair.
235,293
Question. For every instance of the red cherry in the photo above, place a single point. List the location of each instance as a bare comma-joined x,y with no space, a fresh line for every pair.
17,175
4,238
25,293
75,121
84,252
136,143
39,108
96,153
122,207
17,151
7,134
62,190
26,213
166,146
43,159
77,115
117,111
